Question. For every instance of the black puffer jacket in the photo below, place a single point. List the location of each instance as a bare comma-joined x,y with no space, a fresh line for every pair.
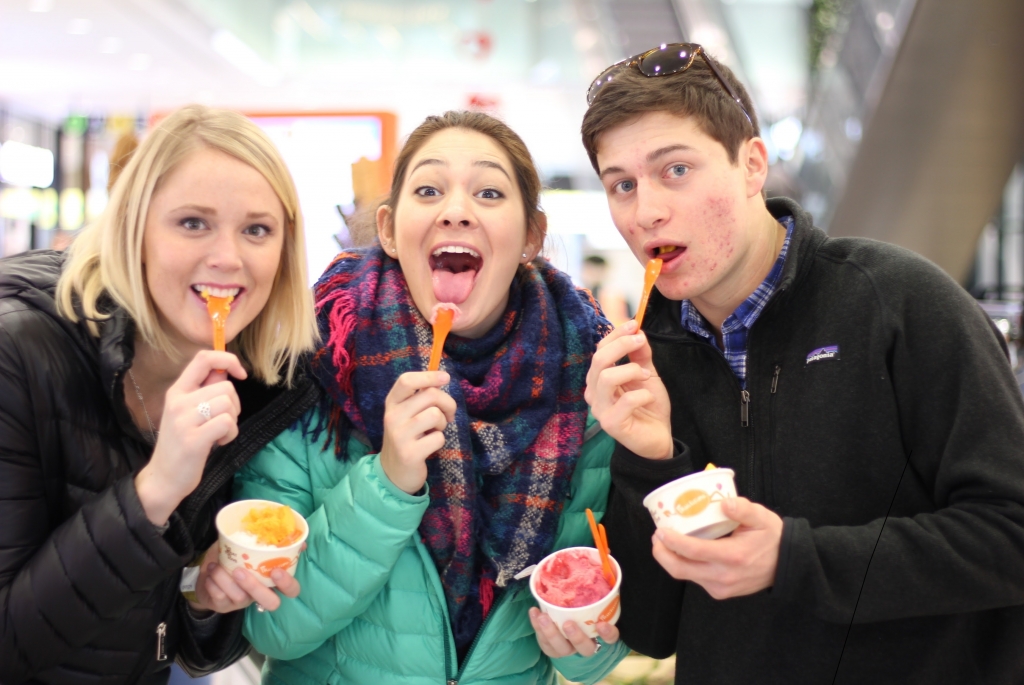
86,581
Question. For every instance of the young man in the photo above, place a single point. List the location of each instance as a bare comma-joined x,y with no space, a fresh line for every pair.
859,394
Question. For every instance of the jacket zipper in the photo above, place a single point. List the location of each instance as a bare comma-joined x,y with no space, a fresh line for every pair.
744,408
771,434
508,591
447,649
161,635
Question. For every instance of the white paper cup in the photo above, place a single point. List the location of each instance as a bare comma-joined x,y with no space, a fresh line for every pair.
605,609
234,554
692,505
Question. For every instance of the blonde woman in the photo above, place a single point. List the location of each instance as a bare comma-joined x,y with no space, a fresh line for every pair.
120,429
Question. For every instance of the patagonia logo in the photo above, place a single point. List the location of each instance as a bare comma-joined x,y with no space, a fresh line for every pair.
823,353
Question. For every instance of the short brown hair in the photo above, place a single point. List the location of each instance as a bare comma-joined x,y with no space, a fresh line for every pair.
695,93
526,174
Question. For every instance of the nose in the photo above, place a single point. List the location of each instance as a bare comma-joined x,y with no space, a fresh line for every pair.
456,211
225,254
652,211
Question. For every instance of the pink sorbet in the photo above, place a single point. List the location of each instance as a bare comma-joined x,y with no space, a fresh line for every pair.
572,579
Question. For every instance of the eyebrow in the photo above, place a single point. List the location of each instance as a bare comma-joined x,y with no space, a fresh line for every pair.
480,162
651,157
212,211
661,151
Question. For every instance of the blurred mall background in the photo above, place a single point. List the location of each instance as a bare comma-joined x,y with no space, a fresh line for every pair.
901,120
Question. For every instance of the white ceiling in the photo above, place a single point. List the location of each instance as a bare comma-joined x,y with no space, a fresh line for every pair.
532,58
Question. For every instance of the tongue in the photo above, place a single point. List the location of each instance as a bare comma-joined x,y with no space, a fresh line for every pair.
452,287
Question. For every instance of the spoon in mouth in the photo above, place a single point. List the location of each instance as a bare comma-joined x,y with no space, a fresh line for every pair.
218,308
444,314
650,276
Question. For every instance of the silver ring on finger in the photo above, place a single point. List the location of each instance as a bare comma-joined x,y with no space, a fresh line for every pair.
259,608
204,410
597,646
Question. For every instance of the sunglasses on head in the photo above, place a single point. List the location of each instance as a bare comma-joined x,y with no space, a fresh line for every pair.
664,60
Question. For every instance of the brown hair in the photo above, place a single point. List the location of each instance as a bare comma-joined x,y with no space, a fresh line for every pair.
526,174
126,144
695,93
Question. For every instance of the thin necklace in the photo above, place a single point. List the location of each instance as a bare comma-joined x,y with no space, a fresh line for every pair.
138,392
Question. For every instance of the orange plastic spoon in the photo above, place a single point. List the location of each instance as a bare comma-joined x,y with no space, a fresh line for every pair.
442,326
607,553
650,276
602,548
218,308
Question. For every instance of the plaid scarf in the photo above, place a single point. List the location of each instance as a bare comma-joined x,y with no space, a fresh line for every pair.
498,484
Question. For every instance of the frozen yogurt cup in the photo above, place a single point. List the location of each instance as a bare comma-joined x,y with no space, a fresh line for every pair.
240,549
692,505
604,608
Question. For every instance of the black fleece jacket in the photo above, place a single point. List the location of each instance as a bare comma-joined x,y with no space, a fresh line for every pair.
897,464
85,578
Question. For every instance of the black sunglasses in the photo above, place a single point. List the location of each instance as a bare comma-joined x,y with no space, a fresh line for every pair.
664,60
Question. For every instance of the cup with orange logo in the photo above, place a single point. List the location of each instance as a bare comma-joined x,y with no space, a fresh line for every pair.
260,536
569,586
692,505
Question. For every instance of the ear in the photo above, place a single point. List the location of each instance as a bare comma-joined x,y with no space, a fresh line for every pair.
535,234
386,229
754,157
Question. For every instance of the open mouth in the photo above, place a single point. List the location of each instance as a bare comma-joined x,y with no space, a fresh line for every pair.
667,253
216,292
454,269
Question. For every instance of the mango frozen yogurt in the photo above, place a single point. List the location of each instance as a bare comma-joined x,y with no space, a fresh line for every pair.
270,526
260,536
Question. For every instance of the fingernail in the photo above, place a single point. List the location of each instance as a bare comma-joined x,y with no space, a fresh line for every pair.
660,534
729,504
630,325
638,339
569,627
212,565
647,373
238,575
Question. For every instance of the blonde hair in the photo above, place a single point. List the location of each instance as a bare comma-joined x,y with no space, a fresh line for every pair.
106,258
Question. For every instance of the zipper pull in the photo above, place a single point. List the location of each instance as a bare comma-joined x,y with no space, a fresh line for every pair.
161,649
453,681
775,378
745,409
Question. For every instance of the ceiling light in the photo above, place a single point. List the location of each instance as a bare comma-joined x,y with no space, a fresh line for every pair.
79,27
585,38
140,61
853,129
885,21
237,52
26,165
786,134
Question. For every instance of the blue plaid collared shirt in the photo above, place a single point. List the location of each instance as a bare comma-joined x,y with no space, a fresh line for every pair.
737,325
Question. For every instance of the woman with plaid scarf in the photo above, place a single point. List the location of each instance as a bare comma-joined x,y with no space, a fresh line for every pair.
428,492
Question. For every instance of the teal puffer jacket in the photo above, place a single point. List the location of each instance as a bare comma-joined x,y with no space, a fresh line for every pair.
372,609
